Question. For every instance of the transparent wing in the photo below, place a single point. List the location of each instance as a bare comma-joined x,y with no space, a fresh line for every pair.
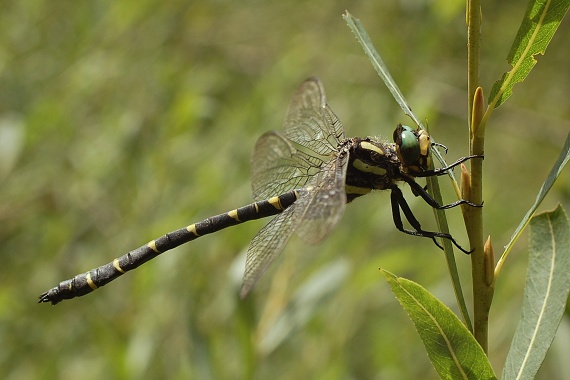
310,122
277,166
313,216
325,206
266,246
283,162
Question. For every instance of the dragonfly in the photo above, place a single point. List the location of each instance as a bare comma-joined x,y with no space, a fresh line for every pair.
306,175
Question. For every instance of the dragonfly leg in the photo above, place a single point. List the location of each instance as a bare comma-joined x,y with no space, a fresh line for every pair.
444,170
418,190
399,203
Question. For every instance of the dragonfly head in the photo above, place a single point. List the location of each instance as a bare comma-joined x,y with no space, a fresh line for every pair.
413,148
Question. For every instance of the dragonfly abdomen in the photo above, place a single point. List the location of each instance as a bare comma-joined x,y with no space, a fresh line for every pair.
87,282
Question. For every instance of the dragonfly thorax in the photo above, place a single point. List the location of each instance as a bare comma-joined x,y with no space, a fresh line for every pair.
372,165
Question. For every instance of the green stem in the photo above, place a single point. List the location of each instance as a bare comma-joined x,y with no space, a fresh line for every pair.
482,293
448,250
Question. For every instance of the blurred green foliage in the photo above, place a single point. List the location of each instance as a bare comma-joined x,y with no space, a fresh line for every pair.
120,121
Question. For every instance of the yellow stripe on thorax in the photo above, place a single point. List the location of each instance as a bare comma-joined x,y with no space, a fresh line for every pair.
357,190
369,146
364,167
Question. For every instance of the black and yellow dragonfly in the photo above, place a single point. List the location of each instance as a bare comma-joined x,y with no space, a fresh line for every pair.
306,175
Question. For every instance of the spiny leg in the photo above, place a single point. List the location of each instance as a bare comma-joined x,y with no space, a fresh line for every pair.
399,202
442,171
418,190
396,193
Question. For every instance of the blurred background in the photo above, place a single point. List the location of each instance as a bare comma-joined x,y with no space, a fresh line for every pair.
121,121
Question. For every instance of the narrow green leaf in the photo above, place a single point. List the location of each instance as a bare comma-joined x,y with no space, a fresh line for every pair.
546,292
364,40
378,64
546,186
452,349
539,24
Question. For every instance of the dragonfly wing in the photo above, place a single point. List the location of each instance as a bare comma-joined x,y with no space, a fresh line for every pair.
310,122
326,203
305,156
277,166
266,246
283,162
313,216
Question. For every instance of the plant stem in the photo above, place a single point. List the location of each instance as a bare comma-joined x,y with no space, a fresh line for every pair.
474,216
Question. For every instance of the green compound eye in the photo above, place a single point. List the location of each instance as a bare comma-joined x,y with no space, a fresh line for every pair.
409,146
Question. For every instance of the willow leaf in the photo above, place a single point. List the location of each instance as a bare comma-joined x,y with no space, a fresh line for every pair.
539,24
546,292
453,351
